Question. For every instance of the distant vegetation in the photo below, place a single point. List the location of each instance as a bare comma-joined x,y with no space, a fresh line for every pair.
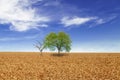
53,41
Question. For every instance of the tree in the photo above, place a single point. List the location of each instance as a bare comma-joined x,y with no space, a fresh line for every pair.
40,46
60,41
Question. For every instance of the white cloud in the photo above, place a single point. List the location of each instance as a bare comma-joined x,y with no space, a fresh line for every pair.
67,21
100,21
8,39
105,20
43,25
20,15
52,3
18,38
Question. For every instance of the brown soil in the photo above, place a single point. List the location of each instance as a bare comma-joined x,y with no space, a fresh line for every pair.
32,66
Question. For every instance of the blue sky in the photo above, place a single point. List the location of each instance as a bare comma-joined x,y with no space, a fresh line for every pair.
93,25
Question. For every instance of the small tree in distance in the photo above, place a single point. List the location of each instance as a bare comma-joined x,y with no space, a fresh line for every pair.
40,46
60,41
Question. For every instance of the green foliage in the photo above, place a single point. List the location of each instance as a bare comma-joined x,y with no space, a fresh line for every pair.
60,41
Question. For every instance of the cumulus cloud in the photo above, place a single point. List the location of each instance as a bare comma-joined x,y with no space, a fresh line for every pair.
67,21
20,15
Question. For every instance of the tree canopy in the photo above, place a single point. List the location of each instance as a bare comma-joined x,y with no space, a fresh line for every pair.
60,41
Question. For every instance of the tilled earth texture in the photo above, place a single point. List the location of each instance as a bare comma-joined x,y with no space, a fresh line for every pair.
67,66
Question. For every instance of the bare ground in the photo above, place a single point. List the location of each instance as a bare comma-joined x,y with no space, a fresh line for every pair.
32,66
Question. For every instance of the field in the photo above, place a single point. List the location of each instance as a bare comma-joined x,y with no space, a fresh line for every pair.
32,66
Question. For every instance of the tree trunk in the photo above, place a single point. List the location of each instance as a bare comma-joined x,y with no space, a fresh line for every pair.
58,51
41,52
58,48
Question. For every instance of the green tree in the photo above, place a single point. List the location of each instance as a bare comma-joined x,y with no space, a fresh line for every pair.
60,41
